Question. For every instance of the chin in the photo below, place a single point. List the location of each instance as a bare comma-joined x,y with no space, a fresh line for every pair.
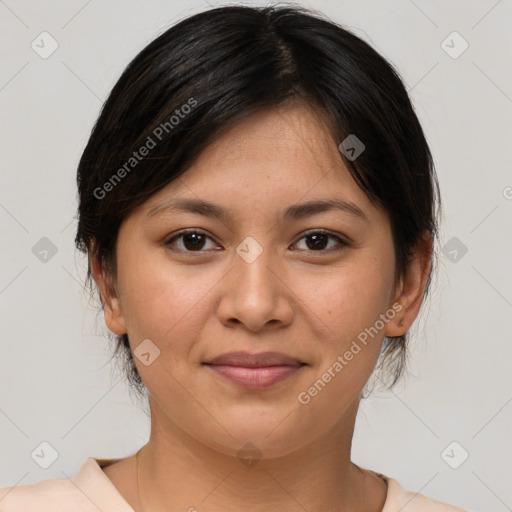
269,434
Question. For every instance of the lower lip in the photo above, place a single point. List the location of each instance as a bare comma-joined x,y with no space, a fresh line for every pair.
255,378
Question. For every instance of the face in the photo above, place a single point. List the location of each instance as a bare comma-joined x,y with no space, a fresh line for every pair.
267,275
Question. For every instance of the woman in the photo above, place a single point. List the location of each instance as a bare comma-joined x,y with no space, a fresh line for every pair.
259,207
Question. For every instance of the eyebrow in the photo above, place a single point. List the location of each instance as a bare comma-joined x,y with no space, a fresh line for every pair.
293,212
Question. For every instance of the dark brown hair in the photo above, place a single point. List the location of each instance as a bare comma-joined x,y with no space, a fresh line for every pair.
214,68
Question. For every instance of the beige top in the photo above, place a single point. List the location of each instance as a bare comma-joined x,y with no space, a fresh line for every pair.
90,490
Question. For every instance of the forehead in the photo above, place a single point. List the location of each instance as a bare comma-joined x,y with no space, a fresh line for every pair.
270,160
294,132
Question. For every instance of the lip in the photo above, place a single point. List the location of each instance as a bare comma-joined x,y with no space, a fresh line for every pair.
255,371
248,360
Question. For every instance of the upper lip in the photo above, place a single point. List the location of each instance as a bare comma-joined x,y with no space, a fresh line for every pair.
259,360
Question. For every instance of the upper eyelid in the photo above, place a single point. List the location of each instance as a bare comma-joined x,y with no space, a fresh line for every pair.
188,231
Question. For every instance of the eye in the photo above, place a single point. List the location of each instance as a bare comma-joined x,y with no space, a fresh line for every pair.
193,240
318,240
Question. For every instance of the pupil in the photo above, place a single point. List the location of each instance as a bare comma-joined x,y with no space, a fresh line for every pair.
197,242
320,241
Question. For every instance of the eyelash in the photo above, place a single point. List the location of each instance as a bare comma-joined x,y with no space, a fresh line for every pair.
340,241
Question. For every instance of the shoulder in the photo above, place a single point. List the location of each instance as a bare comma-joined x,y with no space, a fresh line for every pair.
88,490
399,499
50,495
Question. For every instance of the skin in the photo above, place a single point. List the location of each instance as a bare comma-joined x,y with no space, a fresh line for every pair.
305,302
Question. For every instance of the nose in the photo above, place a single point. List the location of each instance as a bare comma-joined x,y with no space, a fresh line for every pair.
256,292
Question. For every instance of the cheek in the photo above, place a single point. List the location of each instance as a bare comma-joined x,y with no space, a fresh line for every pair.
349,304
350,298
163,302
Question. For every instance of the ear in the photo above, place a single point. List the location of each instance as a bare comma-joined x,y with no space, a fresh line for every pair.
108,294
411,289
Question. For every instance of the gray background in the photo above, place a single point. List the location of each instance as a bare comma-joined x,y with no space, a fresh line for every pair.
56,380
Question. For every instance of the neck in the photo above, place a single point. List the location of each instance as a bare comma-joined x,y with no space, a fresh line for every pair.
177,472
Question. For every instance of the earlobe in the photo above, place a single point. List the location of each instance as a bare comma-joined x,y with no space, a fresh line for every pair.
112,311
113,316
